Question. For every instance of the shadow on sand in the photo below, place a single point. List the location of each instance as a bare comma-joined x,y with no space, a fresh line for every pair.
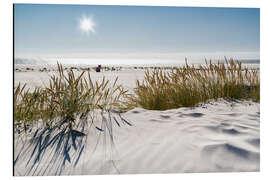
52,149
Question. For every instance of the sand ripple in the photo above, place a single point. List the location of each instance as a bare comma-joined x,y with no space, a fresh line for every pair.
216,137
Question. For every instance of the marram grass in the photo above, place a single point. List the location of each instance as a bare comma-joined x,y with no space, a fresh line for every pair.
66,99
188,86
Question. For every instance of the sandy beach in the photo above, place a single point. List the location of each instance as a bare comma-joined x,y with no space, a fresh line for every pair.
215,136
115,89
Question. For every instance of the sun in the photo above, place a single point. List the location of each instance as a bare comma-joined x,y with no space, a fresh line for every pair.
87,24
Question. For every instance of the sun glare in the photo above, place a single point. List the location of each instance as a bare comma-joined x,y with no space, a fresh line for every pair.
87,24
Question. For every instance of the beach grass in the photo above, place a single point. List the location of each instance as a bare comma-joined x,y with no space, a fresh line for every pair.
67,98
189,85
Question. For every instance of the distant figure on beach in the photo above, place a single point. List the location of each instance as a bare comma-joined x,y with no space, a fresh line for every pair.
98,68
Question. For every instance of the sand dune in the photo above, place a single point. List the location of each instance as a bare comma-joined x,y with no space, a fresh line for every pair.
217,136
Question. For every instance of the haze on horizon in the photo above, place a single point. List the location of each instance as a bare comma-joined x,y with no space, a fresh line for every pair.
92,32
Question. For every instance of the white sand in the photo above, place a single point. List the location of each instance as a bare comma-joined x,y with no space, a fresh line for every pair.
214,137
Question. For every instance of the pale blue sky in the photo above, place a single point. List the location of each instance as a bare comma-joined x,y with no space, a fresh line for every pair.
53,31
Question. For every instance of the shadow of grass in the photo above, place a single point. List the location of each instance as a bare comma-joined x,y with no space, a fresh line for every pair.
51,150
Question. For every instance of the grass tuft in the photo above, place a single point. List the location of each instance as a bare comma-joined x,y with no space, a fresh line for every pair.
67,98
188,86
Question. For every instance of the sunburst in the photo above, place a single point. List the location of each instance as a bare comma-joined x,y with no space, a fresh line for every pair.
87,25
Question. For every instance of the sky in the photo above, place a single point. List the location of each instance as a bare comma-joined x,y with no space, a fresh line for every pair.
134,32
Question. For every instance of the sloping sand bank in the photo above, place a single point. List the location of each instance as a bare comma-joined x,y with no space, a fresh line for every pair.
214,137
